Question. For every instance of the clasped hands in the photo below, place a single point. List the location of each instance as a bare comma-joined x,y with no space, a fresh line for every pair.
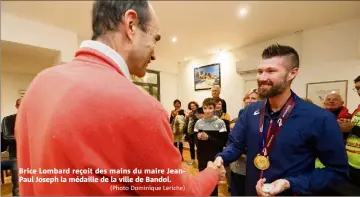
345,125
219,167
202,136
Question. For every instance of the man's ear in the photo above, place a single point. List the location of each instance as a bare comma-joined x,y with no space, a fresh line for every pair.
130,19
293,73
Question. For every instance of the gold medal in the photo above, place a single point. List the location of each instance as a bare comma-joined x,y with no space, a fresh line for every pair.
261,162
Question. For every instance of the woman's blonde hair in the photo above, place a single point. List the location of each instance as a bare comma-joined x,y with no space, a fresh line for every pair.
250,92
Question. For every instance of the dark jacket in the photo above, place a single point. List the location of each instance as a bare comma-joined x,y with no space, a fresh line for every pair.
187,134
308,133
8,135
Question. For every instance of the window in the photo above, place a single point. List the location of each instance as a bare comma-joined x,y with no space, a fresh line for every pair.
150,83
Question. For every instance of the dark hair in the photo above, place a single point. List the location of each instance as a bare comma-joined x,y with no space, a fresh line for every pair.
193,102
106,15
282,50
200,110
17,101
357,79
177,101
208,102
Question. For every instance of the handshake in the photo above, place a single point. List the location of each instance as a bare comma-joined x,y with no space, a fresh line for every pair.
219,167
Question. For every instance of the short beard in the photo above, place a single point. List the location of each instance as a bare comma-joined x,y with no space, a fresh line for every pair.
274,90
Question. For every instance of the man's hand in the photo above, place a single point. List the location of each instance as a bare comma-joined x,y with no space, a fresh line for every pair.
345,125
219,162
280,185
221,171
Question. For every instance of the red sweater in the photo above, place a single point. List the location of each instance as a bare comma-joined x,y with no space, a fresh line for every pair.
344,113
86,115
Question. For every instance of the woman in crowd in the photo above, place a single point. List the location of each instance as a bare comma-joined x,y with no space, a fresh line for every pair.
177,121
238,168
190,121
223,116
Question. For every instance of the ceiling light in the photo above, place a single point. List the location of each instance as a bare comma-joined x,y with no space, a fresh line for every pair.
174,39
187,58
243,12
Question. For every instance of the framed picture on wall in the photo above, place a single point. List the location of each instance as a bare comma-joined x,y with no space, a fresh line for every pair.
207,76
319,90
150,83
21,93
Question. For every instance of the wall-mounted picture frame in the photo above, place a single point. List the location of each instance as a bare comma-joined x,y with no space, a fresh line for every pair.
206,77
21,93
150,83
318,91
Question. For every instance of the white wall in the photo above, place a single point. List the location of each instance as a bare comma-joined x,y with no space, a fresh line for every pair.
231,83
17,72
331,53
326,53
11,84
20,30
46,36
168,81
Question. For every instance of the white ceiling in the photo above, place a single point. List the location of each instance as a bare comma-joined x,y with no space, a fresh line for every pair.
201,27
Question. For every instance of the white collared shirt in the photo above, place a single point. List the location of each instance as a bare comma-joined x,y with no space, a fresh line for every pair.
108,52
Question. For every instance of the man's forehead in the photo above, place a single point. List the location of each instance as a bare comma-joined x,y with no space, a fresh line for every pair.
215,87
333,95
273,62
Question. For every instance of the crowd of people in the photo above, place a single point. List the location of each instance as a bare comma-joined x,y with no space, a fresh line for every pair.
280,144
324,125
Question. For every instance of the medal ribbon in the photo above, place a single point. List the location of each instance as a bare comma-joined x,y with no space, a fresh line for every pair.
274,126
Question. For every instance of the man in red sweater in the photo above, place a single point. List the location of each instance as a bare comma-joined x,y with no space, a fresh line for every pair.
82,124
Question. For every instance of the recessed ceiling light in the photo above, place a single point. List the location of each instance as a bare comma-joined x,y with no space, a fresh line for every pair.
174,39
243,12
187,58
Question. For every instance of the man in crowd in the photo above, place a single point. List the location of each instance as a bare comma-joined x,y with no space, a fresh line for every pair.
215,92
8,143
335,104
98,119
284,135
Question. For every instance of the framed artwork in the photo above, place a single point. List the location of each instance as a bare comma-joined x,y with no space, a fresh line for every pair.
207,76
21,93
319,90
149,83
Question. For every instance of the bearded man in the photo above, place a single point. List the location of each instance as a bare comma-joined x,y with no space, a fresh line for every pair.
284,135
